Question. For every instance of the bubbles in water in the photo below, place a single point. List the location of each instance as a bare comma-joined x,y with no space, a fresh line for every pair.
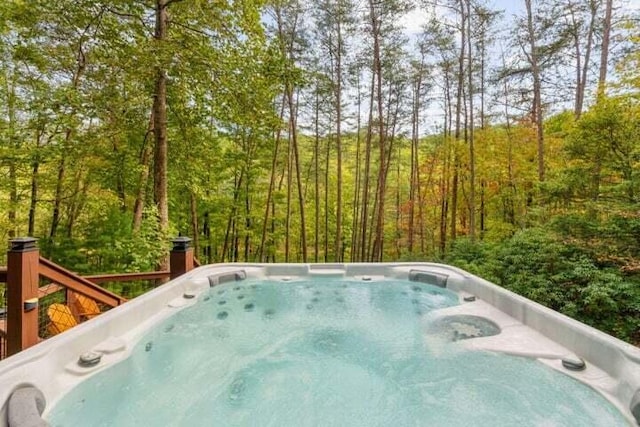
371,365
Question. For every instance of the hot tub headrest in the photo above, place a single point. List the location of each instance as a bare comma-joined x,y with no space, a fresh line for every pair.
230,276
429,278
26,405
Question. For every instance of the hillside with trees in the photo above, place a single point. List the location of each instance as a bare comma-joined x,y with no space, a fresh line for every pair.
507,143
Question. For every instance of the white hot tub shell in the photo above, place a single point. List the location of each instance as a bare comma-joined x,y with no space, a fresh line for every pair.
527,329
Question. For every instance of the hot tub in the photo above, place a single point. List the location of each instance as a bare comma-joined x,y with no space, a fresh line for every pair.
326,344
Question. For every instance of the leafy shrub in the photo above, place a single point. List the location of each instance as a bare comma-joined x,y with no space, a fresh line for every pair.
536,264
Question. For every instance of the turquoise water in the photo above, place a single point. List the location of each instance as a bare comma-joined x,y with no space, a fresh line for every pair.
322,353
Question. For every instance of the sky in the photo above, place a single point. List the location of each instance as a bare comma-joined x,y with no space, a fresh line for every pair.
416,18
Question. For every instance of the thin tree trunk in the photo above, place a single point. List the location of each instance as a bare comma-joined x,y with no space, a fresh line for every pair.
230,234
272,178
582,69
326,201
160,194
195,231
78,203
294,139
287,235
143,179
398,212
33,203
13,175
57,201
377,68
356,192
604,52
316,164
472,155
414,185
13,199
537,90
338,244
364,248
247,221
206,232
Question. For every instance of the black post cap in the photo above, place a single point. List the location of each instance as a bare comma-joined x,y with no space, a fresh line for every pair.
24,244
181,244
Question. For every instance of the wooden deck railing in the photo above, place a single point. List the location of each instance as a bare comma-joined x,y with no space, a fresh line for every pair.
20,328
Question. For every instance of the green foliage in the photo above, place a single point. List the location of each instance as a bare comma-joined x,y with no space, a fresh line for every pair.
536,264
108,245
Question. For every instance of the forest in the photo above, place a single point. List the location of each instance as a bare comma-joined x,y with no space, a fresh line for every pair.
501,137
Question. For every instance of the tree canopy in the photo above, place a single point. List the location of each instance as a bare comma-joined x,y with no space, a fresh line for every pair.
293,131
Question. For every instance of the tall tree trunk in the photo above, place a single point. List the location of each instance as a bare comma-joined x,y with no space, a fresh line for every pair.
143,178
13,199
414,185
358,178
75,82
316,164
583,68
206,232
57,200
287,231
272,179
33,203
537,90
604,51
247,221
77,203
458,130
398,224
377,68
326,200
296,156
230,239
364,247
472,155
160,194
338,244
195,231
13,175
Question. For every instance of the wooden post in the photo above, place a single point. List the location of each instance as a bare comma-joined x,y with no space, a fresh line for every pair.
22,294
181,257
